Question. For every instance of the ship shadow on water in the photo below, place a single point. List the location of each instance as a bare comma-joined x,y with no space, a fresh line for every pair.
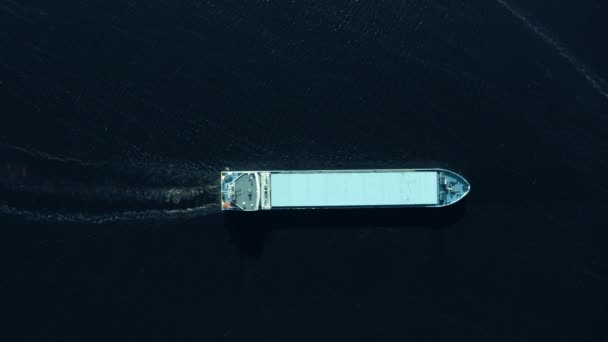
251,231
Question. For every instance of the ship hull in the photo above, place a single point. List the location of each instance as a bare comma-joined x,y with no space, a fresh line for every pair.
334,189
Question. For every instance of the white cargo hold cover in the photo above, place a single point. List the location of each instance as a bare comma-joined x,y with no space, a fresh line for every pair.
343,188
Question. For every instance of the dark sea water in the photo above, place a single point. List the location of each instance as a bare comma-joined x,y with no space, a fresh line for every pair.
117,117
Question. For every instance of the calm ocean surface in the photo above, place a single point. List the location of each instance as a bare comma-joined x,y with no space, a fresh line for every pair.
118,116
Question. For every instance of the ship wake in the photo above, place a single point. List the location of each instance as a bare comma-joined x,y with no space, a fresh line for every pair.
594,80
43,187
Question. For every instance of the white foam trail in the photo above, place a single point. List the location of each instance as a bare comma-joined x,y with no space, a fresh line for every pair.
596,82
126,216
134,190
46,156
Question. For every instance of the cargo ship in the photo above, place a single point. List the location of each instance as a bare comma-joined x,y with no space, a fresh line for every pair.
333,189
